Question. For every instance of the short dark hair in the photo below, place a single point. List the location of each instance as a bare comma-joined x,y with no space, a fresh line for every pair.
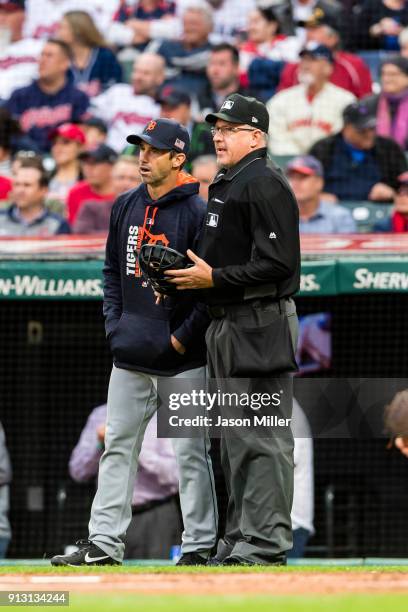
227,47
36,164
66,49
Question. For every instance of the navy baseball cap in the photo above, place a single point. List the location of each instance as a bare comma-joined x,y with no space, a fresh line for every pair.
12,5
305,164
243,110
102,154
165,134
318,52
173,97
96,123
361,115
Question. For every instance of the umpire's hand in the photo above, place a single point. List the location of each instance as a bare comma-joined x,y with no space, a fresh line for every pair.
198,276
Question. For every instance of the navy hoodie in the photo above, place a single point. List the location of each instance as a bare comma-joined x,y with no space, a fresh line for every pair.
138,330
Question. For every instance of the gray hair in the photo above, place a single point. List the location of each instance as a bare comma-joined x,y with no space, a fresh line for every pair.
202,7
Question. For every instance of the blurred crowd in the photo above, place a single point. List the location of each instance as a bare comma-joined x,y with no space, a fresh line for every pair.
77,78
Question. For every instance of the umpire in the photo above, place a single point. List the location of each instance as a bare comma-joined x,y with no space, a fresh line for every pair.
249,267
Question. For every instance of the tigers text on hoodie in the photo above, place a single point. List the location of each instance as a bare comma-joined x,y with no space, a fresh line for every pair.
137,328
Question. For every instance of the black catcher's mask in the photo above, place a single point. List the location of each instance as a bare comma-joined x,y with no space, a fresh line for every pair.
155,259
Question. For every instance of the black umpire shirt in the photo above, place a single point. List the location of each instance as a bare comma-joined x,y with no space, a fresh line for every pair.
251,233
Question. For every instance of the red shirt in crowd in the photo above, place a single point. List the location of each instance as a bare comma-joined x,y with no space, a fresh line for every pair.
349,72
5,187
80,193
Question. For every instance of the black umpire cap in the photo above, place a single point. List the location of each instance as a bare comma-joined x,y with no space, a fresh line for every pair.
240,109
165,134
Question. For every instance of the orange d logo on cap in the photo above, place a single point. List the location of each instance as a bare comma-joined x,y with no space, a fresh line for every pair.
151,126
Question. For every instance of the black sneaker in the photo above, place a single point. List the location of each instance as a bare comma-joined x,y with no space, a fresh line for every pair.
214,562
234,561
191,558
87,554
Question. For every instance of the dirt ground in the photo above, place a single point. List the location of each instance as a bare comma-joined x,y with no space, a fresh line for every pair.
292,583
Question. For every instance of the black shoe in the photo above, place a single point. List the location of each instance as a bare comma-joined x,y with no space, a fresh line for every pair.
191,558
234,561
87,554
214,562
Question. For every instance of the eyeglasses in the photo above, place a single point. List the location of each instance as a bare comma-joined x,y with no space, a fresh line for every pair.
226,130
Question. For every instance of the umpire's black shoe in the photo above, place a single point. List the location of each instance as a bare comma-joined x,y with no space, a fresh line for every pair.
191,558
87,554
234,561
214,562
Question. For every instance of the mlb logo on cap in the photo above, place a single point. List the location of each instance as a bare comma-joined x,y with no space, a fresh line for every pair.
227,104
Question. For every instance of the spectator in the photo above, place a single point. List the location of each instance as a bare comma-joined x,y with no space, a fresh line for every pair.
403,42
188,57
398,220
97,169
96,132
378,24
94,216
176,104
303,114
156,524
94,67
9,129
28,215
127,108
299,12
137,21
349,70
358,165
18,55
67,142
229,19
5,478
316,216
223,78
391,105
43,17
395,420
52,99
204,170
265,40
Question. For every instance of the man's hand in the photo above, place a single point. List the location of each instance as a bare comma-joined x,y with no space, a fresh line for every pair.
100,432
180,348
402,445
141,30
381,192
198,276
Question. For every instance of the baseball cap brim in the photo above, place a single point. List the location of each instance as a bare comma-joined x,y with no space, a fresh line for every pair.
213,117
136,140
302,170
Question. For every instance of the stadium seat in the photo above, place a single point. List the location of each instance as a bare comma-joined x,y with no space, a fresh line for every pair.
367,214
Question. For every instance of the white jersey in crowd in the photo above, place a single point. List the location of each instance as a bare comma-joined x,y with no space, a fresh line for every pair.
303,484
297,122
18,65
124,112
43,16
229,19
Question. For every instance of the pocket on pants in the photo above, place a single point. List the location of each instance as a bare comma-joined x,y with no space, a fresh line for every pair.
257,351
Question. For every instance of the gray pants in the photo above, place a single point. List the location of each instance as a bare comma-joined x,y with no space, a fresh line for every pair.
132,401
258,471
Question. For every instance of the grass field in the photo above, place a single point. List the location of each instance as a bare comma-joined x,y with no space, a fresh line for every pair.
169,589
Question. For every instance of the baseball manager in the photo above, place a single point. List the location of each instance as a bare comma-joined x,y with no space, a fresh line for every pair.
249,268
